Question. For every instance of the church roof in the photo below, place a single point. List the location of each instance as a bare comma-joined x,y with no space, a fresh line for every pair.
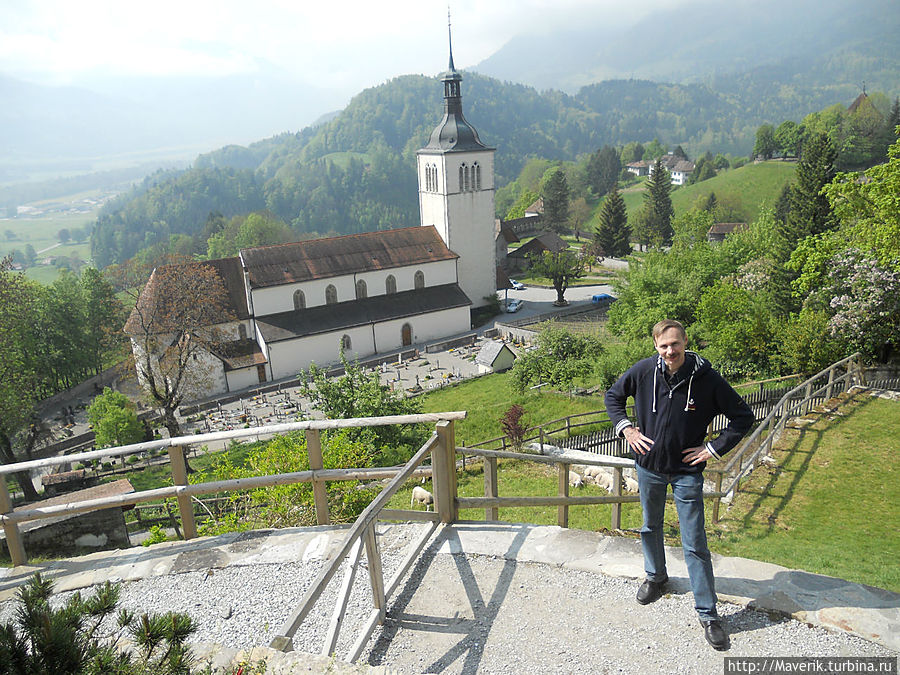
337,256
228,270
343,315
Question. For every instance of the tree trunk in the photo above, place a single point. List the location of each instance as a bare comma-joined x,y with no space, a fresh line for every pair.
23,478
174,429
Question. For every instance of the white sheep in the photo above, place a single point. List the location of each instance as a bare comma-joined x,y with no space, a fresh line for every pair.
593,471
631,485
575,480
422,496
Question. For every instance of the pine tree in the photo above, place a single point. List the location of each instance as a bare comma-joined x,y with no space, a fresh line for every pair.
658,206
556,201
613,234
603,170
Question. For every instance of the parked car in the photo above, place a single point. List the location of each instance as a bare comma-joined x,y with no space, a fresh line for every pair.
514,305
517,285
603,299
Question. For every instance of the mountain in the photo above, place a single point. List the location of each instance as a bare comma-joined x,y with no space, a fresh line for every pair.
59,129
808,42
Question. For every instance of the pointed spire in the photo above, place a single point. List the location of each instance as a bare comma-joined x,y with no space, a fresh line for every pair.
451,67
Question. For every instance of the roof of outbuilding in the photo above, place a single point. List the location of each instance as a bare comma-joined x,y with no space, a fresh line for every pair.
343,315
337,256
726,228
489,353
545,241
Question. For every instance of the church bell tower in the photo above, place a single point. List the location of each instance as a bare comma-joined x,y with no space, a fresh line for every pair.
456,192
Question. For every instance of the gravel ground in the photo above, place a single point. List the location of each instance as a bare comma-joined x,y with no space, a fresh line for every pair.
470,613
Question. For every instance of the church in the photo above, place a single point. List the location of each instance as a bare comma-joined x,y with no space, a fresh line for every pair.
292,305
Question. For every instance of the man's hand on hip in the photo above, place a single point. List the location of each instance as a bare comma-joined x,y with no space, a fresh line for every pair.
696,455
636,440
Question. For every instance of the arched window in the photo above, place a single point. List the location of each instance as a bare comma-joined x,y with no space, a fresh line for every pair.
360,289
390,285
462,177
346,344
330,295
419,280
299,300
406,335
242,331
476,178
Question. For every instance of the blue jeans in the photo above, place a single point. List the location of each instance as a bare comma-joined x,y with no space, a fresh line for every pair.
688,491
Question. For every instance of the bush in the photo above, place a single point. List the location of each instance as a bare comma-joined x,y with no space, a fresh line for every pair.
71,639
157,536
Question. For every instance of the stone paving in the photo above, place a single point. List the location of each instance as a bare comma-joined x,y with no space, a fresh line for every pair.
835,604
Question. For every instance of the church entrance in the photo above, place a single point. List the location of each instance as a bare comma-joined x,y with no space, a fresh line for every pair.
406,335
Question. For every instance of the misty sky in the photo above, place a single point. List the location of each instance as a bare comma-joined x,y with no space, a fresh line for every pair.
344,44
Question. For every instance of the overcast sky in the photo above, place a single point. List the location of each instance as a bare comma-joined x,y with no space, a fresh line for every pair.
346,44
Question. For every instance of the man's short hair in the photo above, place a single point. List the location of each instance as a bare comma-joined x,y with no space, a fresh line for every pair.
665,325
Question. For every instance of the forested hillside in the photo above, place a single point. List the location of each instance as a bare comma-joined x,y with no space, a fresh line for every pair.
357,172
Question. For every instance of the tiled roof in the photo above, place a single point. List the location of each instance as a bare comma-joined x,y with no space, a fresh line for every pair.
240,354
546,241
489,353
344,315
337,256
726,228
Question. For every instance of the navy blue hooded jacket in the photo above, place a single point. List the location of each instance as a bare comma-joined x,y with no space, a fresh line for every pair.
676,416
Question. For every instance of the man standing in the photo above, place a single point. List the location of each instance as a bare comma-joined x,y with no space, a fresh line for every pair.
676,395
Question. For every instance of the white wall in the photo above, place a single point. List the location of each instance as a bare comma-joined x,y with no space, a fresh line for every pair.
242,378
291,356
276,299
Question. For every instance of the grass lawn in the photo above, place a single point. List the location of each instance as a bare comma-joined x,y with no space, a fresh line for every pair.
745,189
830,505
487,398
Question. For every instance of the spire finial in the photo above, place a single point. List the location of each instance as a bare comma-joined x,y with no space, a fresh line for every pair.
450,40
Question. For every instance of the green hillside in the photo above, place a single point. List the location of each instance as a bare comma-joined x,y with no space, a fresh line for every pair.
744,190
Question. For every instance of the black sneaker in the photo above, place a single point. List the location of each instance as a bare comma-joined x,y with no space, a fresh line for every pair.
651,591
715,634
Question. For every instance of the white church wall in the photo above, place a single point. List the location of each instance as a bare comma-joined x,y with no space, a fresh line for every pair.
289,357
242,378
425,328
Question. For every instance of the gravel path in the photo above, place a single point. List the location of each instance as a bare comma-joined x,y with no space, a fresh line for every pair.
470,613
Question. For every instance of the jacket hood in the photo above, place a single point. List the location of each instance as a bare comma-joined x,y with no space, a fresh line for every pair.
700,365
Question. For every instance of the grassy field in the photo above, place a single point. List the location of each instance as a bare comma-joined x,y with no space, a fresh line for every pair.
745,189
831,505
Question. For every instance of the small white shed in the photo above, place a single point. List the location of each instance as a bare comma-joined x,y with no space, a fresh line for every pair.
494,357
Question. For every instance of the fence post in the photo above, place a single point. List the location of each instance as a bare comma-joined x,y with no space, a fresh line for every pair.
376,574
541,429
320,495
562,511
568,427
490,487
717,500
616,520
13,536
860,373
179,477
830,384
807,393
443,465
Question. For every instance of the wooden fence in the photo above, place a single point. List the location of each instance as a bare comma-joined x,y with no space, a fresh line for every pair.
442,450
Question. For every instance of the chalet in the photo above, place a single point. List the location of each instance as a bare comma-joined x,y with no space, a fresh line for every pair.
719,231
639,168
546,241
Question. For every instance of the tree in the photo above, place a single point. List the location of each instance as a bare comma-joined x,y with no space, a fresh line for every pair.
526,199
30,255
787,138
579,214
658,206
654,150
255,229
765,145
810,211
358,393
603,169
63,235
113,417
513,426
632,152
613,234
560,267
556,200
72,638
870,208
560,359
18,379
175,326
680,153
